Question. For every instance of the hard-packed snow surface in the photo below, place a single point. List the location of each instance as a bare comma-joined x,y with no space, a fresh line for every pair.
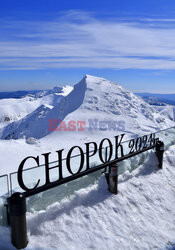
91,96
141,216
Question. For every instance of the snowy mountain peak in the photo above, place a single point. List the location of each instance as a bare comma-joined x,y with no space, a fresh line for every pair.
91,98
91,77
96,80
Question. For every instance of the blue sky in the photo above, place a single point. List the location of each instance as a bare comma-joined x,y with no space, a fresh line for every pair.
44,43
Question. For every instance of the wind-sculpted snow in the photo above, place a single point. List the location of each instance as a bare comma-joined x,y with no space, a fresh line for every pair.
36,123
168,111
15,109
91,98
140,216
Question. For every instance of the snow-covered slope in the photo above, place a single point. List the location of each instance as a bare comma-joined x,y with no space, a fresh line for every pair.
168,111
92,98
108,101
16,109
58,90
141,216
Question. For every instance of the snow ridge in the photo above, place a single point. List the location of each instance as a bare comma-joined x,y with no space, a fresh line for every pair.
91,98
35,124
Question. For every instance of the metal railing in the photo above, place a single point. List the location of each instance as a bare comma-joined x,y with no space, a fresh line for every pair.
133,148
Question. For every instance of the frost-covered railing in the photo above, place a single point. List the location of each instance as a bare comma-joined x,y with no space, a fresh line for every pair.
50,196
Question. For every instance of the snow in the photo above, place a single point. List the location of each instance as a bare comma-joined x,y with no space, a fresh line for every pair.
15,109
141,216
92,98
168,111
36,123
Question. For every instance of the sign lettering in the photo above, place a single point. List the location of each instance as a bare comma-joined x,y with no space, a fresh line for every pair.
116,151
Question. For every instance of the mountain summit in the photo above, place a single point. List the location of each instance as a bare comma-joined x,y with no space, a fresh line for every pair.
91,98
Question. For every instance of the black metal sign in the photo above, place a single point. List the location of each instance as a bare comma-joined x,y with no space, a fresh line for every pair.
116,153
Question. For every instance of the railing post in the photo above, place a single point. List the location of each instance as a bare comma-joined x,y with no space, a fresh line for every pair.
159,152
17,210
113,178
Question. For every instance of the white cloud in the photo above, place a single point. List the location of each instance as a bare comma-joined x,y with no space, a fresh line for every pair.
79,40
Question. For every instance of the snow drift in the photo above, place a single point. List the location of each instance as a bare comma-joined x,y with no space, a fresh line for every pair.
141,216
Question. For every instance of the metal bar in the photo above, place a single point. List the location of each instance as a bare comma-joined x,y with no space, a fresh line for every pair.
159,153
5,175
106,155
86,172
113,178
89,151
17,209
10,185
